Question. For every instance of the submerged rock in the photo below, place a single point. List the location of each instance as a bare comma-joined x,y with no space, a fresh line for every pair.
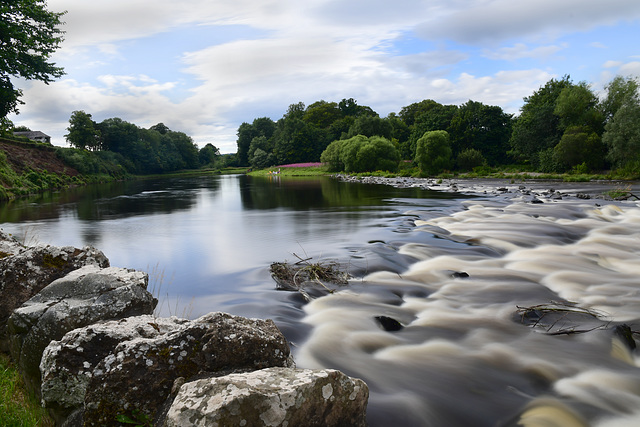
272,397
137,376
25,271
82,297
389,324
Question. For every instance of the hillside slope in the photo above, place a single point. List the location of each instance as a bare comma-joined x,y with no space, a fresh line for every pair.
27,168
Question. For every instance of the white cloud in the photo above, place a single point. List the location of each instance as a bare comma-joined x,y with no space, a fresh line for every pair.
520,50
491,21
630,69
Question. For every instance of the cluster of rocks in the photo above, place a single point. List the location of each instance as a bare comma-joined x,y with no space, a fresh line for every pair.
85,339
532,192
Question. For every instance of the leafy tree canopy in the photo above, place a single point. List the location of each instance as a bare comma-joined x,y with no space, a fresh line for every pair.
29,35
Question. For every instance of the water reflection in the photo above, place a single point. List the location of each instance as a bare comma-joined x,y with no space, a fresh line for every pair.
208,233
321,192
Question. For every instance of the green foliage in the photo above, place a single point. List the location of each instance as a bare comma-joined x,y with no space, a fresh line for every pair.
17,406
432,116
433,152
620,91
548,162
368,125
482,127
137,418
577,105
30,35
538,127
208,155
622,135
470,159
361,154
82,131
580,145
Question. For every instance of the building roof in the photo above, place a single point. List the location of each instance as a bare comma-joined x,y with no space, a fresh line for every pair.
33,134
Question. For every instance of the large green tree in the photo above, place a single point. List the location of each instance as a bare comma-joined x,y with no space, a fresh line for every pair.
29,35
538,128
83,132
620,91
485,128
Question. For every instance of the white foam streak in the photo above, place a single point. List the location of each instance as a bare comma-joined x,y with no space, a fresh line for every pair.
455,325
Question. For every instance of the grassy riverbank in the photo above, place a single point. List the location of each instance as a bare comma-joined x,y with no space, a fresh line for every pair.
17,407
514,172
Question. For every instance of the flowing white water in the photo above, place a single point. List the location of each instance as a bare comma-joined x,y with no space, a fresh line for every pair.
466,355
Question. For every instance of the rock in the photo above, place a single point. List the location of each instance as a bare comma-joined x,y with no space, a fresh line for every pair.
82,297
67,365
26,271
272,397
9,245
137,378
389,324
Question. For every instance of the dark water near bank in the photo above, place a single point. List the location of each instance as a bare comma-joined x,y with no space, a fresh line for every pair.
463,357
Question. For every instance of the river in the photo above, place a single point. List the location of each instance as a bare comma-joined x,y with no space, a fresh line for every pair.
501,311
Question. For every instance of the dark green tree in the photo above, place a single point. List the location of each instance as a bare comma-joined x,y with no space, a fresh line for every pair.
322,114
577,105
29,35
83,132
119,136
435,117
412,112
578,145
208,154
482,127
538,127
368,125
622,136
350,107
262,126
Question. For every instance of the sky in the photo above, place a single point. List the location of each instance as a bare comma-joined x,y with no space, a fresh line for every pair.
203,67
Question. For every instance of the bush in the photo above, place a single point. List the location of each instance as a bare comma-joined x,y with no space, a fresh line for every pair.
361,154
433,152
470,159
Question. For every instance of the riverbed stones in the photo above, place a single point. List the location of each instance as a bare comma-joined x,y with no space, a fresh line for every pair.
85,296
272,397
137,377
25,271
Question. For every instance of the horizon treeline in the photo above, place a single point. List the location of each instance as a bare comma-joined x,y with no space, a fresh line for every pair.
136,150
563,126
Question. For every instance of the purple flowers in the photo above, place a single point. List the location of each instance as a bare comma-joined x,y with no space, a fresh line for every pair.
301,165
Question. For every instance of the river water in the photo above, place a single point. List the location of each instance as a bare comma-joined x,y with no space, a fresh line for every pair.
481,308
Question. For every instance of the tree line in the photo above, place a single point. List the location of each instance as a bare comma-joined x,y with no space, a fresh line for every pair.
157,149
563,126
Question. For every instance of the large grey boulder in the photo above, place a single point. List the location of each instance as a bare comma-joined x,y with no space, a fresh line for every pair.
136,378
68,365
272,397
83,297
25,271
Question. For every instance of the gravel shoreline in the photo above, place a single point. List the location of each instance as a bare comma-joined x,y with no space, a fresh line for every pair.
533,191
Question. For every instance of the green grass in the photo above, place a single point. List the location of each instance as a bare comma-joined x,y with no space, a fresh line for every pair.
304,171
17,407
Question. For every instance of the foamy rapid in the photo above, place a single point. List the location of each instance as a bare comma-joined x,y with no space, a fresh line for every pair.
468,355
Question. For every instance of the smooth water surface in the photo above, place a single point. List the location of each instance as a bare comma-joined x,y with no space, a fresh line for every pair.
207,242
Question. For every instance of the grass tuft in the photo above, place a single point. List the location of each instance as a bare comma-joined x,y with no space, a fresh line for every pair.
18,408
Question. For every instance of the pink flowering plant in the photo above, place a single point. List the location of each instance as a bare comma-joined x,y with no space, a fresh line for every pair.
301,165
